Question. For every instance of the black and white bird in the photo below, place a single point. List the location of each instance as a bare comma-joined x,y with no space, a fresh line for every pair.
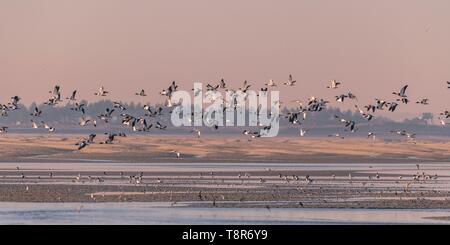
107,115
402,92
119,106
245,87
423,101
56,93
209,87
51,102
73,96
3,130
160,126
78,107
222,84
381,104
46,126
109,139
445,113
101,92
392,106
351,96
350,124
363,114
14,104
172,88
290,81
404,100
141,93
85,142
341,98
36,112
334,84
82,144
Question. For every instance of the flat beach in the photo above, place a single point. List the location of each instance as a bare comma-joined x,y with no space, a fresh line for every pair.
228,172
61,148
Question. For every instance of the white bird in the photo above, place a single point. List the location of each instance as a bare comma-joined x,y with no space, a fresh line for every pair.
34,124
302,132
46,126
442,122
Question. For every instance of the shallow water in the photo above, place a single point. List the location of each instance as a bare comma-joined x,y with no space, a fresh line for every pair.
164,213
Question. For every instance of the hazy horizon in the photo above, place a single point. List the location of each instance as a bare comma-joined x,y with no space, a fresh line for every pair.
374,48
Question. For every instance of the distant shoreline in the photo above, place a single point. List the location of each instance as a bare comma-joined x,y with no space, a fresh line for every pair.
154,149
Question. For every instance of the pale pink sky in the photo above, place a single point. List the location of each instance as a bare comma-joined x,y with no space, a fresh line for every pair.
372,46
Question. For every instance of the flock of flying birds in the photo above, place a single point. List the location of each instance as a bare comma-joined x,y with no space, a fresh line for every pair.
142,123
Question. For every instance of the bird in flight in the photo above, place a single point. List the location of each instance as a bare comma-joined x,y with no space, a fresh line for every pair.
101,92
141,93
334,84
290,82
